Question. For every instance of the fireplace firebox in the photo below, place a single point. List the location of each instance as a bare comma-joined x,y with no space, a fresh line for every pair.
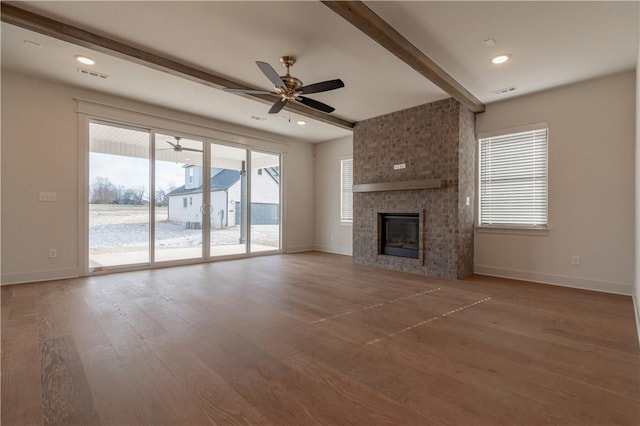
399,235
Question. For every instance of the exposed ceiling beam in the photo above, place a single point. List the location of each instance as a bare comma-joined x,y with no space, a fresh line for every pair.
363,18
41,24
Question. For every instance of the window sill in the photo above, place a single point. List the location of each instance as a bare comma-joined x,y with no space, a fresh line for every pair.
346,223
540,232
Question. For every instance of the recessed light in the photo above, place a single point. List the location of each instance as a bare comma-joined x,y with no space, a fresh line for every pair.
301,122
500,59
85,60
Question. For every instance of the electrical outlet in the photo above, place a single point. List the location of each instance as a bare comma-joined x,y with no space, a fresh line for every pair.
53,253
575,260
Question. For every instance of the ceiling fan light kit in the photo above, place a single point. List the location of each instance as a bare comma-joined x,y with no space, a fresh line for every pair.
290,88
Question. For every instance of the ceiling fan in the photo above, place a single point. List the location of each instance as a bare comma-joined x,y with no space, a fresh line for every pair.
290,88
179,148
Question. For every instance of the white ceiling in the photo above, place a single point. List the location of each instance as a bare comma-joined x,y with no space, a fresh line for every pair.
551,43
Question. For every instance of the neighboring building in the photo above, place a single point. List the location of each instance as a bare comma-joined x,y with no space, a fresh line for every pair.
186,201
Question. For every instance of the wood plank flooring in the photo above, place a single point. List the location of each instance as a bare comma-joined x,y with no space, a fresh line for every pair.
311,338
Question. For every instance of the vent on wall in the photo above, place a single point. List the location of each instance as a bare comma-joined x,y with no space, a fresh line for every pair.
92,73
503,91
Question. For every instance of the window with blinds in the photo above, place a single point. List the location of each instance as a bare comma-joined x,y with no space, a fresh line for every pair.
513,180
346,192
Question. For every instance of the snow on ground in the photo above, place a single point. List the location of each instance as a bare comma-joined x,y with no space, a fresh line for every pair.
124,227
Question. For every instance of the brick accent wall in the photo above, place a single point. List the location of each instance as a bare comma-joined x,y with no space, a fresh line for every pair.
466,190
436,141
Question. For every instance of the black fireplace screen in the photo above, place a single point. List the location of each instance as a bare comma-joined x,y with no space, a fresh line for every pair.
399,235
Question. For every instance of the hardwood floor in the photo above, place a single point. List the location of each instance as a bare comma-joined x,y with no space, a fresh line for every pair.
313,339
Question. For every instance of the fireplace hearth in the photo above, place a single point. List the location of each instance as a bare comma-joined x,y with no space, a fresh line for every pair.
399,235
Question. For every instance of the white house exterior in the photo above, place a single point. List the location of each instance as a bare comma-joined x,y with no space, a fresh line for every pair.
186,201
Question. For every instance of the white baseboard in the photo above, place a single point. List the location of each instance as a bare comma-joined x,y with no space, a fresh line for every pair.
636,310
334,250
561,280
297,249
33,276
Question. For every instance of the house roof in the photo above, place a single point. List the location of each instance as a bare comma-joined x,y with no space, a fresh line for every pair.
222,180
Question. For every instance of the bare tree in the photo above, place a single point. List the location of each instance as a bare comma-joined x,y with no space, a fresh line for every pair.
161,198
133,195
137,194
102,191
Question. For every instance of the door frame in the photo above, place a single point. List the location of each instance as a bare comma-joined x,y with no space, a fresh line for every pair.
90,111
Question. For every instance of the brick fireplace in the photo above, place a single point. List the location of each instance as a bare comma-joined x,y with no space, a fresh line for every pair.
413,149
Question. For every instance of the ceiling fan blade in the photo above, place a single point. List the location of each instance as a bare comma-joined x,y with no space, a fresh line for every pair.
249,91
171,143
315,104
323,86
271,74
278,106
190,149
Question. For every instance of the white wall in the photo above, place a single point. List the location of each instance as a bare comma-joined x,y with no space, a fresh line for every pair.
263,188
331,235
299,213
219,202
40,152
179,213
591,187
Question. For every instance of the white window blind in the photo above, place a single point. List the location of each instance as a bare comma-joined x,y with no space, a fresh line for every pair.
513,180
346,190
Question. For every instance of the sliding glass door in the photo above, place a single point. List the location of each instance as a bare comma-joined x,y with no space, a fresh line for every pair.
162,198
180,190
265,202
229,197
118,196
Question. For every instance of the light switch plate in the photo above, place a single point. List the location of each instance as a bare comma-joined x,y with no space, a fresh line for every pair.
48,196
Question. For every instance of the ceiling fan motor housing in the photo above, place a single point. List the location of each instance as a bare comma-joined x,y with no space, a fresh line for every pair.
292,83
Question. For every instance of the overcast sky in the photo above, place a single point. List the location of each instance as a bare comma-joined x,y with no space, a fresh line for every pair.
134,172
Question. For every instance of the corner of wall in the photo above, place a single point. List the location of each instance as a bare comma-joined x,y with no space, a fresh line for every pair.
466,190
330,234
636,288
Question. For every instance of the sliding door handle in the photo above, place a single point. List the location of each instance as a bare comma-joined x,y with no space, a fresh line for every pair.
206,209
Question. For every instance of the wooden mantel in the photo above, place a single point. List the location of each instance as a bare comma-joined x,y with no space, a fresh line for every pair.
400,186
